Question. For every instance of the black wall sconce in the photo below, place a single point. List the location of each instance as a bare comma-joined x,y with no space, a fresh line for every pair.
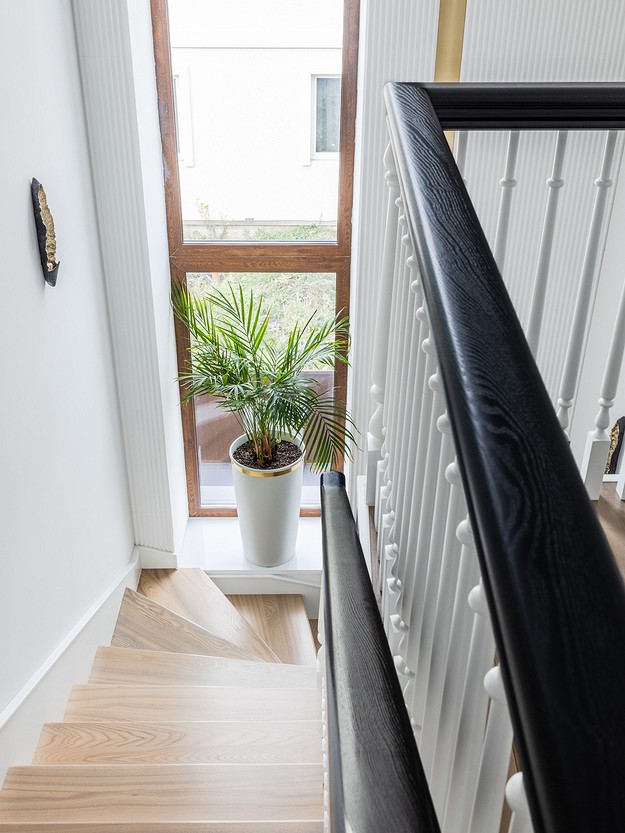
45,233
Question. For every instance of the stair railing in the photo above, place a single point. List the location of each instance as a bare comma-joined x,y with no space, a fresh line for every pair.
477,494
375,781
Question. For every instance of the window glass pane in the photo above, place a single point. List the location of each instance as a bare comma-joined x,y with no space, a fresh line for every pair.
292,297
328,114
250,169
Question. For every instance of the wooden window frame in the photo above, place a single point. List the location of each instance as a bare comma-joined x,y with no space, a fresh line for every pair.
235,256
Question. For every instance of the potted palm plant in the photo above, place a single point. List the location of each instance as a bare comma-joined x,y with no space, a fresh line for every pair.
282,411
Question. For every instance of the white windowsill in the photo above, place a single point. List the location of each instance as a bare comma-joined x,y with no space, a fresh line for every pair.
214,545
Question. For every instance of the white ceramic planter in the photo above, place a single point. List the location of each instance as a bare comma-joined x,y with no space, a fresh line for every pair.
268,504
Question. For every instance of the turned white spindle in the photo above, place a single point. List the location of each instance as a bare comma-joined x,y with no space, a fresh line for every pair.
426,553
405,440
394,382
415,377
517,801
396,424
458,566
401,428
395,562
381,338
583,305
383,478
508,183
471,718
436,545
415,571
321,669
598,441
443,707
496,751
539,291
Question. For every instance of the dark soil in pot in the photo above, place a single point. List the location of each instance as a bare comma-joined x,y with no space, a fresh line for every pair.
286,454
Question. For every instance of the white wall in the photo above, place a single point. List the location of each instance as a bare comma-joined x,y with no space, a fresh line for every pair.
65,521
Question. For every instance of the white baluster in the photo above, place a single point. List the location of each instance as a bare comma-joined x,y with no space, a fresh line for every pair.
395,365
442,572
426,555
397,560
444,698
583,306
598,441
412,379
404,335
415,568
321,673
381,338
508,183
539,291
471,718
383,482
491,782
517,801
383,486
401,428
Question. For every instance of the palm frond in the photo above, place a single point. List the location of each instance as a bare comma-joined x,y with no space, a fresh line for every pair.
233,359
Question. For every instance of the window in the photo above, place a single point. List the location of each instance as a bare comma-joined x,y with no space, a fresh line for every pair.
327,114
183,123
242,206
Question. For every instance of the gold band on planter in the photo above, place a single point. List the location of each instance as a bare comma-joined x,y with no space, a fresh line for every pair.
267,472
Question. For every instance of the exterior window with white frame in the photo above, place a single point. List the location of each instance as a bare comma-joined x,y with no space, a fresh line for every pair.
326,114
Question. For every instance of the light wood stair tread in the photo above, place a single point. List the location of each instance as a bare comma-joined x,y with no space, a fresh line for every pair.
145,624
183,703
200,792
282,622
191,593
136,666
110,742
276,826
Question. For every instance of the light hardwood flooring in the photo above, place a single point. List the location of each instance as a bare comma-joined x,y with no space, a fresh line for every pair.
132,666
143,623
611,511
224,742
190,723
208,792
168,827
196,703
282,623
191,593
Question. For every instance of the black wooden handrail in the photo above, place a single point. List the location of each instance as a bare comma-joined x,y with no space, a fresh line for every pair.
528,106
556,598
377,784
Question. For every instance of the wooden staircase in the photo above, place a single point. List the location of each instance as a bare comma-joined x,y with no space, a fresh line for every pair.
203,715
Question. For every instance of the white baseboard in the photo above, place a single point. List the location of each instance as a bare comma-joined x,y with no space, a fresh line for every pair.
44,697
151,559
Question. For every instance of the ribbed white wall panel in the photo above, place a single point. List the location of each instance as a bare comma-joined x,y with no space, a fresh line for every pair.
558,40
397,43
561,40
102,31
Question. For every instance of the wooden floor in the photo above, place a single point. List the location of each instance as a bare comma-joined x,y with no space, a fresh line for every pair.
611,511
190,723
282,623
